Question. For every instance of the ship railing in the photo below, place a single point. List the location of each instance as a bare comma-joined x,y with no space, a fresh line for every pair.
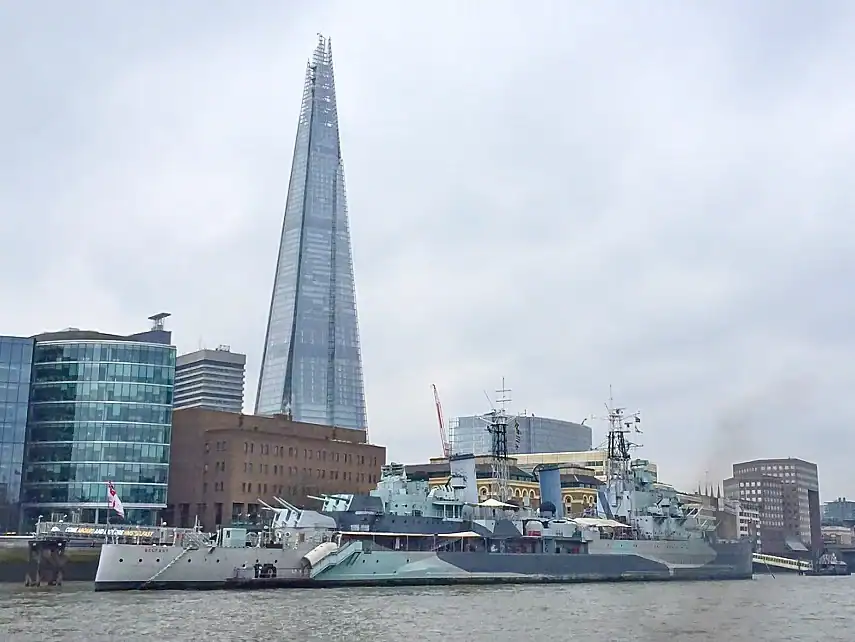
120,533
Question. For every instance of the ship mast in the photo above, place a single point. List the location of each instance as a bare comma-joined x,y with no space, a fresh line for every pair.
618,473
497,426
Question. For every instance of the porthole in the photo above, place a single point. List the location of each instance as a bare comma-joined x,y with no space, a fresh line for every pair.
157,560
121,560
140,560
188,560
218,561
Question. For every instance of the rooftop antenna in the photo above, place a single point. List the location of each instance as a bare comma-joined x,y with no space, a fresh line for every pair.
157,320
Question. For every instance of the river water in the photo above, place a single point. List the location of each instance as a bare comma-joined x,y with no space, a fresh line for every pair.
786,607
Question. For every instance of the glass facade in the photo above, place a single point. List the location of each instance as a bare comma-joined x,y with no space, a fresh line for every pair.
312,366
99,411
526,434
16,356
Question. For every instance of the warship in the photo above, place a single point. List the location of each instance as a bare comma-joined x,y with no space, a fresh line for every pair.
406,532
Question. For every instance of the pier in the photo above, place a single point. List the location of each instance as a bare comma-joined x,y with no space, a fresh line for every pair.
46,562
69,551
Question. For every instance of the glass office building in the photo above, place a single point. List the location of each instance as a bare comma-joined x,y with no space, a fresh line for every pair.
100,410
16,356
312,366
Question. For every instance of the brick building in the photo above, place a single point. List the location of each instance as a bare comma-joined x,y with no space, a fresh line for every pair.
222,463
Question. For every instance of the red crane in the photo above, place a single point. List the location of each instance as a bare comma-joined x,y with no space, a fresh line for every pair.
446,447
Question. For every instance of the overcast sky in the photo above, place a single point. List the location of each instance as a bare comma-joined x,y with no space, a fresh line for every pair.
653,196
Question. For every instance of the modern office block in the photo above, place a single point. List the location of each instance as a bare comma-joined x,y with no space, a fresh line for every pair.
210,379
311,366
16,356
100,410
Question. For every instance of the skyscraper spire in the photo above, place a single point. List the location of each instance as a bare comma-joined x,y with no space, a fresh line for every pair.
311,367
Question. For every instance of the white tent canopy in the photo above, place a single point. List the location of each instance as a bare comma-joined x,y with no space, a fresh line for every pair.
494,503
599,522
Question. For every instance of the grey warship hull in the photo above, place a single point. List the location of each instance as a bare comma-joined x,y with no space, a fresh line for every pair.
360,565
643,561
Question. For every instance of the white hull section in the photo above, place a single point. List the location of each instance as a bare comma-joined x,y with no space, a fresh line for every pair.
131,566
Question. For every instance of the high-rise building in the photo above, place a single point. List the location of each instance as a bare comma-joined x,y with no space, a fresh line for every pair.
802,512
311,368
16,357
100,410
211,379
766,494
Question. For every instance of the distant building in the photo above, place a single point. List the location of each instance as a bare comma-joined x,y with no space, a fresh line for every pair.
16,357
526,434
100,408
767,494
749,521
578,484
802,518
211,379
592,459
224,463
838,535
311,366
840,512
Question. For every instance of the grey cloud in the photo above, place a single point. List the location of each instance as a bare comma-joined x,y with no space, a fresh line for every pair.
570,197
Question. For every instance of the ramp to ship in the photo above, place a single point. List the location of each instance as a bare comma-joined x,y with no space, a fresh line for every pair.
773,561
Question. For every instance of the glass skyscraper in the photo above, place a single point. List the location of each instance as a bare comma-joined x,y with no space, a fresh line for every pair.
312,366
16,356
100,410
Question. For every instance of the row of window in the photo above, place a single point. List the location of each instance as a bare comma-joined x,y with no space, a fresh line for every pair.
13,413
308,453
79,493
50,473
126,412
98,431
98,452
124,392
279,451
113,372
275,489
14,392
319,473
15,373
15,352
115,352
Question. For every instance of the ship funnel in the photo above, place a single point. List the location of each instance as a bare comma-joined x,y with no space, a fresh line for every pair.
550,488
463,476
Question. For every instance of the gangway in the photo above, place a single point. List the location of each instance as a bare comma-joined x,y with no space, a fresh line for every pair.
799,566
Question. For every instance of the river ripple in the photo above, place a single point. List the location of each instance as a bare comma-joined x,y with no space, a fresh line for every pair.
808,609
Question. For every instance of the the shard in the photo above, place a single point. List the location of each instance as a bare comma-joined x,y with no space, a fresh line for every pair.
311,368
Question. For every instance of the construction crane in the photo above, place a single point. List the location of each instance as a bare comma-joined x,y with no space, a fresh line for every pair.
446,447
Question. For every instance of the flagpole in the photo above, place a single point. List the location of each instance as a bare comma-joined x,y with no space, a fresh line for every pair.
107,529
